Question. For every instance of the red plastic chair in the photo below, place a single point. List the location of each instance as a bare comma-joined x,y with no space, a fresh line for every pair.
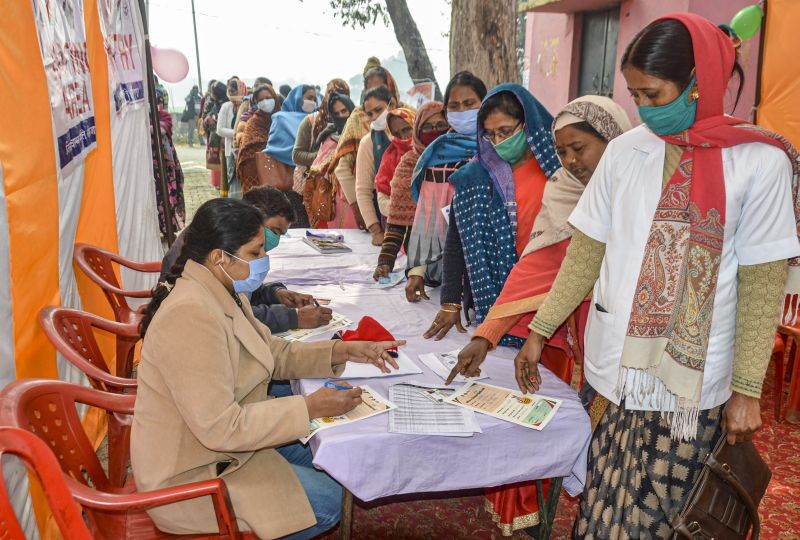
42,464
71,332
48,409
98,265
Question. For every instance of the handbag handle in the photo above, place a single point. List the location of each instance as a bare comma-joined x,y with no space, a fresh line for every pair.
724,471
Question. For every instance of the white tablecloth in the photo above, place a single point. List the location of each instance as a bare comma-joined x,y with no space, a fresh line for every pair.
373,463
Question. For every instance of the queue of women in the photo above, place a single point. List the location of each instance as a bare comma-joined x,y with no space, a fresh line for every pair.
669,245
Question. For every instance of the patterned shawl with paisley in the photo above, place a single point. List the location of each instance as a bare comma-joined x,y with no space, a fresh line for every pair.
253,140
668,331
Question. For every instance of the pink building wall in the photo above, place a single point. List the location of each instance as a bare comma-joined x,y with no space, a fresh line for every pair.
552,45
551,60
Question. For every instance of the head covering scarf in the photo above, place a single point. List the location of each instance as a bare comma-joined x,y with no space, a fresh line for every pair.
402,205
358,124
537,126
254,139
563,191
284,127
668,349
236,89
532,277
323,117
396,150
322,164
484,207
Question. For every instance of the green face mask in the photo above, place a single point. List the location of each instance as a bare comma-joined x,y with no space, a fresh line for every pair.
271,239
512,149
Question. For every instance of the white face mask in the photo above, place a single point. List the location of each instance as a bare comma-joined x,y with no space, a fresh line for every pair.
266,105
309,106
379,124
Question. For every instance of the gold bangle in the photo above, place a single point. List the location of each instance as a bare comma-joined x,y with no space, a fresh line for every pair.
450,310
457,306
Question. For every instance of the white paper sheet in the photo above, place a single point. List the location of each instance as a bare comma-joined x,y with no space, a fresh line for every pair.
443,363
406,366
417,413
373,403
301,334
528,410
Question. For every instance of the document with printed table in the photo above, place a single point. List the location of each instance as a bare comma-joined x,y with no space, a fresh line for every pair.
301,334
422,409
372,404
529,410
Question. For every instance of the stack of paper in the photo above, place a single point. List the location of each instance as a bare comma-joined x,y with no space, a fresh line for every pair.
443,363
356,370
422,409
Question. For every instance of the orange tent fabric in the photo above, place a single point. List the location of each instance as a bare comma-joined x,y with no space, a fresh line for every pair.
780,72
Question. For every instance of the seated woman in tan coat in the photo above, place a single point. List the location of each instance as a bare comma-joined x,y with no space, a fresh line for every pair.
202,410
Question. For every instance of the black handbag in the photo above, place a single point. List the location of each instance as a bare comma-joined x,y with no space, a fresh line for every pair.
723,503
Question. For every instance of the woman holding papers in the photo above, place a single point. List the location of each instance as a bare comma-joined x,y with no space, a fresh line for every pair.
201,407
683,234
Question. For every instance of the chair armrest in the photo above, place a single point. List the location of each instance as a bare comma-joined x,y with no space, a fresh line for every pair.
115,502
152,267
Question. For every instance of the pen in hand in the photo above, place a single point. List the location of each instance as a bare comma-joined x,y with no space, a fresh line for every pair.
332,384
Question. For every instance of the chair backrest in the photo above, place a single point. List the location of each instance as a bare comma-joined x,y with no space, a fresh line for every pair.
71,332
48,409
41,463
98,265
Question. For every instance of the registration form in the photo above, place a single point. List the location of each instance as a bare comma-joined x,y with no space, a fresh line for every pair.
422,409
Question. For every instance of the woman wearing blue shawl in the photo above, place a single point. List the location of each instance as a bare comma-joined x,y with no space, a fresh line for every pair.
430,185
497,196
279,167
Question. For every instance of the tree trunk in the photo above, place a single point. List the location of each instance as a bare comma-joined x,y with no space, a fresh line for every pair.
405,29
483,40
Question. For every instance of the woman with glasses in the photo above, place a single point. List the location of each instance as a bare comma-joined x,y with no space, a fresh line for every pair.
581,132
497,196
431,190
429,125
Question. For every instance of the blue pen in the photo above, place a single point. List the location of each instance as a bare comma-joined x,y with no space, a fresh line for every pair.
331,384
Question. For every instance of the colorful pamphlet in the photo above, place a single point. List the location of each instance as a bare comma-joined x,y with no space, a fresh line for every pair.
529,410
372,404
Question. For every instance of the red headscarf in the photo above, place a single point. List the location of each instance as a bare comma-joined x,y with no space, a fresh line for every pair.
396,150
712,131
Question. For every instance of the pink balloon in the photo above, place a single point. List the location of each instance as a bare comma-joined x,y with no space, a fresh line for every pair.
170,65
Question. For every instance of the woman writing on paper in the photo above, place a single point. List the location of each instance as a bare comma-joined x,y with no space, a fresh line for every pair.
206,363
683,234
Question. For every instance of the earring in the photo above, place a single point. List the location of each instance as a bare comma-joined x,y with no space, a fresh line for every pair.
694,95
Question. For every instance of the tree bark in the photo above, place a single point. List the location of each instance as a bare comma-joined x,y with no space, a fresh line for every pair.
405,29
483,40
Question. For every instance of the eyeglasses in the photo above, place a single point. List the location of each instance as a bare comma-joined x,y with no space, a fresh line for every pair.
500,134
439,126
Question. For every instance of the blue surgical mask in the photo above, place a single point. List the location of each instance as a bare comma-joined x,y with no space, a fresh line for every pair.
674,117
464,122
259,268
271,240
